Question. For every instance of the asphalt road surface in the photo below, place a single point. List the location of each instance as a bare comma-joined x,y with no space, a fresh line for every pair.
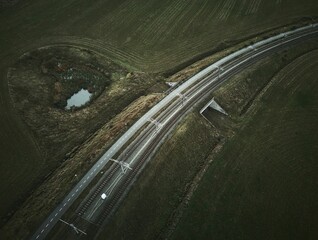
138,144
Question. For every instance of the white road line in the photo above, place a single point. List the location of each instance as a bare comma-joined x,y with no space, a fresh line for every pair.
84,181
47,225
73,194
64,204
42,231
81,185
68,199
37,236
60,209
55,214
51,220
76,190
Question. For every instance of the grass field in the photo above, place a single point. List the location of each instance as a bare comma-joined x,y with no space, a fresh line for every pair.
263,185
162,185
156,203
150,36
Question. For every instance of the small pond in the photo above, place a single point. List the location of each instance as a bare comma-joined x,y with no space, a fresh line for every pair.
78,99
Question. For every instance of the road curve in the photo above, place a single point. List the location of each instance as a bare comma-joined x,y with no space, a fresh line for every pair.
168,112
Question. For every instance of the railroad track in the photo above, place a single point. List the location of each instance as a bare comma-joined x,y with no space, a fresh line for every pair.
113,203
149,139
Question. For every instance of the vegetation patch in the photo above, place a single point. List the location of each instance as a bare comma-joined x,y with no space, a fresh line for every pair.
58,73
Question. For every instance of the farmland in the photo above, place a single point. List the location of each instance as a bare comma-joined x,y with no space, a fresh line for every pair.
148,35
168,201
139,37
263,183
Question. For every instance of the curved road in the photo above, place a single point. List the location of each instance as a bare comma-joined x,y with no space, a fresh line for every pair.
135,147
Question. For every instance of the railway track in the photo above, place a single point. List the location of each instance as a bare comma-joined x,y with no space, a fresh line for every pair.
150,138
122,188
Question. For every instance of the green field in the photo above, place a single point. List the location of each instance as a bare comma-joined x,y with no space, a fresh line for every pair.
147,36
159,200
162,185
263,185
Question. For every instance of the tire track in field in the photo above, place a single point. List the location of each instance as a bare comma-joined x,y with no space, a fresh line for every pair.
211,14
156,31
195,16
241,10
98,46
253,7
289,119
185,16
116,18
132,16
226,10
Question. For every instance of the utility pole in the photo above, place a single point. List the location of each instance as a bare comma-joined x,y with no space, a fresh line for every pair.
156,123
220,69
183,98
252,47
284,36
124,166
77,230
